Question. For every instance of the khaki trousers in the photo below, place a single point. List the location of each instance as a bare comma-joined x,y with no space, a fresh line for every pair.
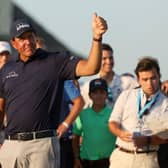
37,153
120,159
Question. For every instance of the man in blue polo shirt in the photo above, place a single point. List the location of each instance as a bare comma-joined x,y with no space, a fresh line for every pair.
72,104
31,89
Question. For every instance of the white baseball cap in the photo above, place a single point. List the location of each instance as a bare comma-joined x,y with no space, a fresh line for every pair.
5,46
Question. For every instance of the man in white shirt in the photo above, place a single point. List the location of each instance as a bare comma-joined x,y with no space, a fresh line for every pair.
116,83
136,146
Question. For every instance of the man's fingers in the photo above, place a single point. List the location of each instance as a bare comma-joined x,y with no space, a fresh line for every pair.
94,16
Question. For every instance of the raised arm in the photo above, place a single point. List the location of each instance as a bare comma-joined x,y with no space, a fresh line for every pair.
91,65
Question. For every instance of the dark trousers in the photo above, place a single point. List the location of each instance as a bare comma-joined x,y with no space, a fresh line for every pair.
163,156
102,163
66,153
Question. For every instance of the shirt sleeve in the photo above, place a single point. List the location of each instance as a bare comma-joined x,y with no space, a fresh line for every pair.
77,127
68,66
85,94
70,90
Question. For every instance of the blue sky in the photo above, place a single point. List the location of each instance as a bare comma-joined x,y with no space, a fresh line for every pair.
136,28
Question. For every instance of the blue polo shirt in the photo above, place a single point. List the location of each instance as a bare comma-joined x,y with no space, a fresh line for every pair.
70,93
33,90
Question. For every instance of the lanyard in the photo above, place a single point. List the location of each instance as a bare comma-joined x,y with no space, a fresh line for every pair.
147,106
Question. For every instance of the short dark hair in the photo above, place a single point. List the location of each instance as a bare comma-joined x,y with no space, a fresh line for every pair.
106,46
147,63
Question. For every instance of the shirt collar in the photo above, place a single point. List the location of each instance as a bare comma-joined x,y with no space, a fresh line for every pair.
143,96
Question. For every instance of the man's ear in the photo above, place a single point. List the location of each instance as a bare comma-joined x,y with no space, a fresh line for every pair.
13,43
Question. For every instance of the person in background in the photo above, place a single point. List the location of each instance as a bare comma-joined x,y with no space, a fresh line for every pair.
116,83
128,74
71,105
31,90
5,52
136,146
164,87
97,141
163,149
128,80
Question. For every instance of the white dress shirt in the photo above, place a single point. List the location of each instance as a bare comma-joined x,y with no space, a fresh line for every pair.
125,112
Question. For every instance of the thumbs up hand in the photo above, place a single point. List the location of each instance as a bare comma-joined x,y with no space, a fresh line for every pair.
99,26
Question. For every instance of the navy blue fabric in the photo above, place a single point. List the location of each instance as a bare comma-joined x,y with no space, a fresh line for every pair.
33,90
67,159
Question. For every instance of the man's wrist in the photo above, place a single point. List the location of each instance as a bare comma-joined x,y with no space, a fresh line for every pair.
65,124
97,39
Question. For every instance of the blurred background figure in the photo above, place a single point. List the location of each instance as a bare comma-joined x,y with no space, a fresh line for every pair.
128,81
5,51
71,106
164,87
116,83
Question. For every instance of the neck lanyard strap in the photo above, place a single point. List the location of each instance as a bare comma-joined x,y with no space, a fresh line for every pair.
147,106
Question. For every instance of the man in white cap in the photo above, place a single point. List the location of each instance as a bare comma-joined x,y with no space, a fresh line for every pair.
5,51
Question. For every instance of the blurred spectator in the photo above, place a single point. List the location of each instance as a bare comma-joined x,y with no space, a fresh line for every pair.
5,52
71,105
164,87
116,83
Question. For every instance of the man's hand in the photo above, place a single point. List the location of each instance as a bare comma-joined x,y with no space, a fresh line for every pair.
99,26
140,141
61,130
125,136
